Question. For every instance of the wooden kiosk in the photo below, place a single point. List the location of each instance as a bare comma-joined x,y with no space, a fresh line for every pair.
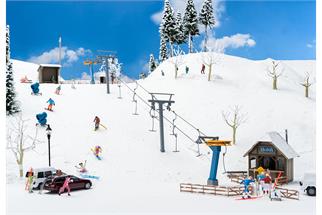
274,153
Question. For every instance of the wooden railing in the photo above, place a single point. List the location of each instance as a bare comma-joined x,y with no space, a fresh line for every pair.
288,193
236,176
210,189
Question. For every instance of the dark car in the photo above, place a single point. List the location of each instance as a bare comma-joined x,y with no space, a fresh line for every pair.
55,183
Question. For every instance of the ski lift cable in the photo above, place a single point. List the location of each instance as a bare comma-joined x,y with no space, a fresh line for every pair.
168,120
173,111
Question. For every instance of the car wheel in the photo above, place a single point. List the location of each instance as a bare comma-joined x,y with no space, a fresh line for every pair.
88,185
311,191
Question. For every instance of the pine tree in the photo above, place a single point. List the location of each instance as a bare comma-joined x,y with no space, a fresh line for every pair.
168,25
180,37
163,50
206,17
12,105
190,23
152,64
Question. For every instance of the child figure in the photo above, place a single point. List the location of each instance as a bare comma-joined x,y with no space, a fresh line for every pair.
50,104
65,186
58,90
97,122
82,167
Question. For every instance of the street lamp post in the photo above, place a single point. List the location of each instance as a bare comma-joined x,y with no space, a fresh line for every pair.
48,131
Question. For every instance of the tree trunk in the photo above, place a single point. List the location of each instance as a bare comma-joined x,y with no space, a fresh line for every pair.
274,83
209,73
20,170
206,39
234,135
171,49
190,46
306,91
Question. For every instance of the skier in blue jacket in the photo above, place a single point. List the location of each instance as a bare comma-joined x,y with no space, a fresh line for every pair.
246,183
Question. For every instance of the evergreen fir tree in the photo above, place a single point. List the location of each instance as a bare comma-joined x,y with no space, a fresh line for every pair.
180,37
163,50
206,17
12,106
168,25
190,23
152,64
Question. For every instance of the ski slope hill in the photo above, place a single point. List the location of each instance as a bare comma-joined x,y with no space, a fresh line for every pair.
134,176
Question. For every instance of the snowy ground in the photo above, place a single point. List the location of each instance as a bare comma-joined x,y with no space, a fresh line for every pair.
135,176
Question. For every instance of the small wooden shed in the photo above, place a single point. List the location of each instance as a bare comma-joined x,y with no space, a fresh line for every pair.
49,73
274,153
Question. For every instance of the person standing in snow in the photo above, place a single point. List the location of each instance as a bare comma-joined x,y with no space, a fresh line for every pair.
65,186
97,122
203,67
267,183
30,178
58,90
187,69
50,104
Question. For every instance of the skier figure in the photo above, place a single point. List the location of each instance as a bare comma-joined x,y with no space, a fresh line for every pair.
97,122
187,69
203,69
58,90
65,186
162,73
30,179
247,182
82,167
97,151
50,104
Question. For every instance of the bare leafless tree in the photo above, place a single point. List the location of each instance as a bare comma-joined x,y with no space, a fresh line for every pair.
234,118
275,73
209,59
19,141
177,61
306,84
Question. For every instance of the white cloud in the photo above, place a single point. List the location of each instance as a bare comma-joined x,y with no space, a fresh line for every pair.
309,45
233,41
180,5
68,56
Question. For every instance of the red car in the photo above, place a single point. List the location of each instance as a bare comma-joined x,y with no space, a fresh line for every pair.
54,184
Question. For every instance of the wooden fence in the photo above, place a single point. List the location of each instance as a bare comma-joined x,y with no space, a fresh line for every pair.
288,193
210,189
236,176
282,180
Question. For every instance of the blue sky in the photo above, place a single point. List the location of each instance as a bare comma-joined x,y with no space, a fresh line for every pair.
252,29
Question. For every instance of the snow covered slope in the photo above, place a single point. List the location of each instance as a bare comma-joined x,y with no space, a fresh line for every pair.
135,176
